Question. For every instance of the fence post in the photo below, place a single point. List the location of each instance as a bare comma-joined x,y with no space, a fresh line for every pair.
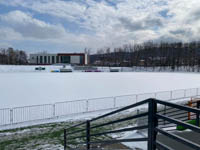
197,115
114,100
54,110
152,124
138,111
88,134
184,93
171,92
87,106
155,94
65,139
136,98
11,116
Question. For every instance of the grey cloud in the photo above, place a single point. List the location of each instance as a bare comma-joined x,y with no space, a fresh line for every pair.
183,32
196,14
34,31
142,24
29,27
153,22
9,34
128,24
168,38
193,16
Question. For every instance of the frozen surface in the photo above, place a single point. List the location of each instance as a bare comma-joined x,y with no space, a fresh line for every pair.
135,134
30,88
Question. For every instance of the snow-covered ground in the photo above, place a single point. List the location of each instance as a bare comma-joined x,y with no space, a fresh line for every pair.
25,68
22,85
30,88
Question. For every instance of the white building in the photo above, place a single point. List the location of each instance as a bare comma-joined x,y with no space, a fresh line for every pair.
65,58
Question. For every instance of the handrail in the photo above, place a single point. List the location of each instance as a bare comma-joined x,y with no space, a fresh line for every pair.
152,125
186,108
118,141
120,110
88,135
120,120
175,121
121,130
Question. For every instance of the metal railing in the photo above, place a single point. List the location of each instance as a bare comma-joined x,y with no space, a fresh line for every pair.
87,138
18,115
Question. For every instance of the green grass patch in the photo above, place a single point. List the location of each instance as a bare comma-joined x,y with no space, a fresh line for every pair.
181,128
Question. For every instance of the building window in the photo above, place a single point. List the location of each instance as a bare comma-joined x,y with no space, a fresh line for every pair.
82,60
37,60
48,59
41,59
57,59
53,60
65,59
45,59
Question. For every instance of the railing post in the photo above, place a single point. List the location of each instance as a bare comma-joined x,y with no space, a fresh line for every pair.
136,98
184,93
138,111
165,114
197,115
114,101
88,134
54,110
87,105
11,116
155,95
152,124
171,92
65,139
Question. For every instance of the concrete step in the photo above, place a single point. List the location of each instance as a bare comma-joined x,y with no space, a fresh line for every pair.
189,135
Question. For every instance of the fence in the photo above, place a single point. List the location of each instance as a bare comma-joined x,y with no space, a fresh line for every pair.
85,135
18,115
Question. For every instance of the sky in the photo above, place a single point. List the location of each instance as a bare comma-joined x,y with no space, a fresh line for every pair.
73,25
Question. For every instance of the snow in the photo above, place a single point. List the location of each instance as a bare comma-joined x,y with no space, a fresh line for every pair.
65,94
23,86
22,68
33,88
135,134
67,118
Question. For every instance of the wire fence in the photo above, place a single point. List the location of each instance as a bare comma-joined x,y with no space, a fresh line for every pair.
17,115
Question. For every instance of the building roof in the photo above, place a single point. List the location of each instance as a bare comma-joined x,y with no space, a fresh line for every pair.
68,54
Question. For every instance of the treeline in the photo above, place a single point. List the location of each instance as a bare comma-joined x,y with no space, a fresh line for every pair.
13,57
150,54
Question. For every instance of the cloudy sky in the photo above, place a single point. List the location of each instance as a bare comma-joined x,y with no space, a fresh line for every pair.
72,25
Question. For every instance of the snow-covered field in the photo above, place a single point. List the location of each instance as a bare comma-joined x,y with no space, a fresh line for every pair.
21,88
